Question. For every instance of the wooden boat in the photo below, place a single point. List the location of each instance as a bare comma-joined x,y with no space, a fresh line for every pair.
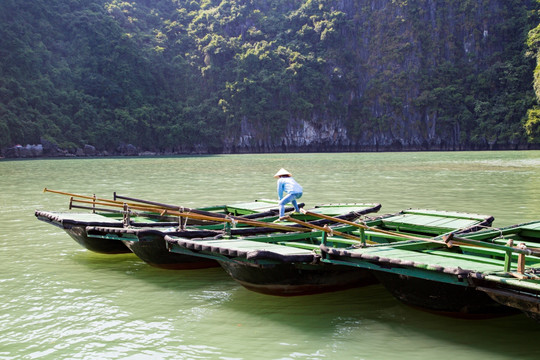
272,267
292,264
517,284
75,224
150,246
466,275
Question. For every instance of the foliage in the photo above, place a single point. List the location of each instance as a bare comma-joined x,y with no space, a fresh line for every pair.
532,124
182,75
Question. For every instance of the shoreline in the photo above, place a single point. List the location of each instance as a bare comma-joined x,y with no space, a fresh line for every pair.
532,147
47,150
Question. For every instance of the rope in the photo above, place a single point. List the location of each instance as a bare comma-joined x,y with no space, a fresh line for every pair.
232,220
329,230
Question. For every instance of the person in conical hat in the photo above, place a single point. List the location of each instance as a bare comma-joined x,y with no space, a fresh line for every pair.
282,172
288,191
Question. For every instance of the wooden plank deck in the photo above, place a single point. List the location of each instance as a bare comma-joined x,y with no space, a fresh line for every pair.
431,221
431,259
242,245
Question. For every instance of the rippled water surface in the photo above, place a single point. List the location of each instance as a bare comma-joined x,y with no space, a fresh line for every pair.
59,301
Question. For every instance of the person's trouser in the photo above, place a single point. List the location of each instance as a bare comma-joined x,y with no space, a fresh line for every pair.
290,198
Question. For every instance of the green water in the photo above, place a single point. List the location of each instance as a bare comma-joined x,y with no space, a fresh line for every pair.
59,301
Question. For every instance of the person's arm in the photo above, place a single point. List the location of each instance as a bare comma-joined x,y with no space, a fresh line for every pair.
280,189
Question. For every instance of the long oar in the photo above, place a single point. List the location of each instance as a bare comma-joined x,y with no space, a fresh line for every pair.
448,240
113,211
164,209
232,219
168,206
95,198
197,211
326,229
151,205
142,201
157,207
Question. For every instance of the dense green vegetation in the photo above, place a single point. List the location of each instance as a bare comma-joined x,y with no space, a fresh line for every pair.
533,119
182,76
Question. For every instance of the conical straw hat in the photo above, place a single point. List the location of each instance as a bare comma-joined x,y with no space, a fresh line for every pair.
282,172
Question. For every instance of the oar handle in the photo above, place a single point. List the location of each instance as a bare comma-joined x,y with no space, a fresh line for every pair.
68,194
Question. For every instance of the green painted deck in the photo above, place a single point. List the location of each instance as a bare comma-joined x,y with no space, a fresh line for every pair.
447,214
531,261
432,221
428,259
253,206
419,220
340,209
432,261
519,233
326,209
532,226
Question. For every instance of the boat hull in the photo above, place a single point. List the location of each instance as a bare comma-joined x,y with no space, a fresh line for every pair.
77,224
152,249
76,229
529,304
290,279
441,297
102,246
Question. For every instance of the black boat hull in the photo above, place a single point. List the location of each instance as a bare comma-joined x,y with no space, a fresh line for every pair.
152,249
290,279
77,231
102,246
441,297
528,303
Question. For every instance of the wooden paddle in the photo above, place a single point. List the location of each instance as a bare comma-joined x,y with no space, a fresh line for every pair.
229,219
95,198
149,215
137,202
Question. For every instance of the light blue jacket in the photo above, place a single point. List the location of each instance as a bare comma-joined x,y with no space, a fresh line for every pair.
289,186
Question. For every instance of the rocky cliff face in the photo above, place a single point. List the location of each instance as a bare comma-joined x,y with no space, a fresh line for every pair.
412,75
